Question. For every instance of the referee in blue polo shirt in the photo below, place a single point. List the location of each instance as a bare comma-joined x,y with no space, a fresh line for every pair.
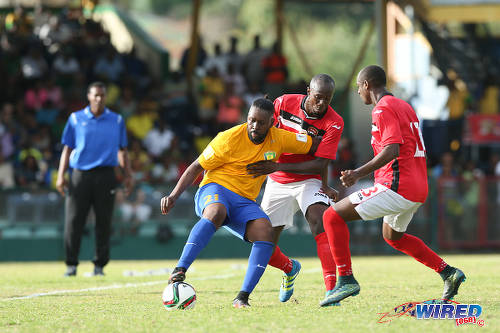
95,142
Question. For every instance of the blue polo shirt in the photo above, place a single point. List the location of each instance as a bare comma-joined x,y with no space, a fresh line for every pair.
95,141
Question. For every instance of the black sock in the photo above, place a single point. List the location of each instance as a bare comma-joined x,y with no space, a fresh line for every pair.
243,296
446,272
346,279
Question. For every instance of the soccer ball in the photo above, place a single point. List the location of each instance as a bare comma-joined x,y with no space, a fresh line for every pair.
179,295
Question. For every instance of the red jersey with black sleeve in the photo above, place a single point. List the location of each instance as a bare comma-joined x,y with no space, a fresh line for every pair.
290,114
395,121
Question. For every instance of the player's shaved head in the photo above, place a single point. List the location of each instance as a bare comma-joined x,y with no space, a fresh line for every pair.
322,82
375,75
319,95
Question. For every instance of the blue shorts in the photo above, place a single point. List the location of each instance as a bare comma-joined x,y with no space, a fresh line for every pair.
240,210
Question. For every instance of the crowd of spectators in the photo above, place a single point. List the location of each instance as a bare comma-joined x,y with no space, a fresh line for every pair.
47,60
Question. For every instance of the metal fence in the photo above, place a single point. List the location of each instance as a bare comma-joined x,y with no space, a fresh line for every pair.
468,213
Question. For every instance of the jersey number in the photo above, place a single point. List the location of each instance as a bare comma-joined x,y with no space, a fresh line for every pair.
420,149
371,190
208,198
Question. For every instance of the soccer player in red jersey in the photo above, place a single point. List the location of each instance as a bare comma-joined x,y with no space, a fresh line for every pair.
400,188
287,190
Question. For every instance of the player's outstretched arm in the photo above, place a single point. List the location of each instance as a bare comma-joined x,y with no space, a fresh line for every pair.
262,168
187,178
389,153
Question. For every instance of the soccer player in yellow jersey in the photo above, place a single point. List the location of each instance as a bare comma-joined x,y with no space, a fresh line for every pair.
226,197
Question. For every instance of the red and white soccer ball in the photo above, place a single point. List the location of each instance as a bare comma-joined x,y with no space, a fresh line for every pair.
179,295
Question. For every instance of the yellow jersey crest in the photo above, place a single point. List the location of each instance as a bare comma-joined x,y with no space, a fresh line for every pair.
269,155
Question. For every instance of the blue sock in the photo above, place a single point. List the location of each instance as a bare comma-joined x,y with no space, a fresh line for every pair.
257,262
198,238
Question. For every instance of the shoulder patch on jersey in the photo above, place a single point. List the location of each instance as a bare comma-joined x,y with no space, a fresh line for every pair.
301,137
208,152
337,126
378,111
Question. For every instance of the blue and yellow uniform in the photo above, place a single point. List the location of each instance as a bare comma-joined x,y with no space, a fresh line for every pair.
226,180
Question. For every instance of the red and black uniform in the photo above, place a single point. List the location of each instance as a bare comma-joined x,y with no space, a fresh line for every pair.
290,114
395,121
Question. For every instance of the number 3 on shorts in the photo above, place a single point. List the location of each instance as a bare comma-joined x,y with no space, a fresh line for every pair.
369,191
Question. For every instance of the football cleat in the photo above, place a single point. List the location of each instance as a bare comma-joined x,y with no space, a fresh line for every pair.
343,289
452,283
240,303
178,275
286,289
327,294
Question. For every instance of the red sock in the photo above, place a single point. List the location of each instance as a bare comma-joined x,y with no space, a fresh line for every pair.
416,248
326,259
338,238
280,261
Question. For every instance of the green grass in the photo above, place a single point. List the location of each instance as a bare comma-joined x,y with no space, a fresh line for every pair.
385,283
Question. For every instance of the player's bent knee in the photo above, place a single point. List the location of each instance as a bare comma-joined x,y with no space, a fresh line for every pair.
316,226
390,234
216,213
259,230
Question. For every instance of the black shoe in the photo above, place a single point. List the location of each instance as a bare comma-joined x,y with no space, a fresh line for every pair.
98,271
241,300
70,271
178,275
452,282
238,303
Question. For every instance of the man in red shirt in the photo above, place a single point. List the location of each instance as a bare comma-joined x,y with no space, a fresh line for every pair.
400,189
287,190
275,70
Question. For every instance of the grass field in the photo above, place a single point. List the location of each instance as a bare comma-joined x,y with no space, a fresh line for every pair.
118,303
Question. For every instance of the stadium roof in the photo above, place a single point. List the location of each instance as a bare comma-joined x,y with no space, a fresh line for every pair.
441,11
462,11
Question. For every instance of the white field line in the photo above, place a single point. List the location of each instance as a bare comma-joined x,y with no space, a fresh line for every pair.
113,286
127,285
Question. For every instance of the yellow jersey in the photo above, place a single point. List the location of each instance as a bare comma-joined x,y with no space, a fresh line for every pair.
227,155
